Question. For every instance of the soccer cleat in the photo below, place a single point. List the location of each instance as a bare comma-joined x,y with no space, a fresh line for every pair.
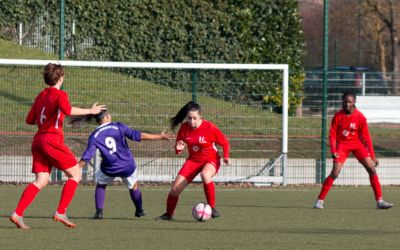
319,204
18,221
384,205
98,215
215,213
140,212
165,217
63,218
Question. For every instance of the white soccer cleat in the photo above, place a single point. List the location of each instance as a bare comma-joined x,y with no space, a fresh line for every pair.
18,221
63,218
319,204
383,205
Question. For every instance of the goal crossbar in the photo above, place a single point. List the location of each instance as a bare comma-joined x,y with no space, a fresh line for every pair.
193,66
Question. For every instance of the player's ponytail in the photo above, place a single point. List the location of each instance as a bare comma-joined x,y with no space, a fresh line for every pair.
78,121
182,113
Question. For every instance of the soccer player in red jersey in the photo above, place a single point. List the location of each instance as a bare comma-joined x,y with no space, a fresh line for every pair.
200,137
349,134
48,148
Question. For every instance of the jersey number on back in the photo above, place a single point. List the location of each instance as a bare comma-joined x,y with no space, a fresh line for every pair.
110,143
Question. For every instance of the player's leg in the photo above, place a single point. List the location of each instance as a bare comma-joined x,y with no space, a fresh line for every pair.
99,197
102,180
328,183
178,186
185,176
68,192
135,194
207,173
29,194
369,165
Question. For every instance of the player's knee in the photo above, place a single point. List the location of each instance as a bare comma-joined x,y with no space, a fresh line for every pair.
334,175
40,183
205,177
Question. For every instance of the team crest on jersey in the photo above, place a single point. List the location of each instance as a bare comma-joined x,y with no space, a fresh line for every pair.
345,133
195,148
202,139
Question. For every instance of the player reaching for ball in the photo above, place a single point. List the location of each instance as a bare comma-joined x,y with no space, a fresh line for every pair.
200,137
48,148
117,160
349,134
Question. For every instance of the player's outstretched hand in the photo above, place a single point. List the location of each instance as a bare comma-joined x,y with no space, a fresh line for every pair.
95,109
180,145
227,161
166,136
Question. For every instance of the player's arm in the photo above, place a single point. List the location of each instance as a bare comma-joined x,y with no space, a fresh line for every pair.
31,117
94,110
221,140
332,137
89,152
179,144
366,138
161,136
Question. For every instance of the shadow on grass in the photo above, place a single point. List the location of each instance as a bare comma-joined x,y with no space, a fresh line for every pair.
18,99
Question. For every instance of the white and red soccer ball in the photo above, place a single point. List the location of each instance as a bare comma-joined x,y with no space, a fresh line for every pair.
201,211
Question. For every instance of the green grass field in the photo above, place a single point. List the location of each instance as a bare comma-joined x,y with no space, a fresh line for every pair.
252,218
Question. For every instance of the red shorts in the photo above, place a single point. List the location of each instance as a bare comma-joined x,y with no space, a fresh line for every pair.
49,150
344,149
192,168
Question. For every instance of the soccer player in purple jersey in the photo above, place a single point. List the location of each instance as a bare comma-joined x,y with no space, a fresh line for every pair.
117,159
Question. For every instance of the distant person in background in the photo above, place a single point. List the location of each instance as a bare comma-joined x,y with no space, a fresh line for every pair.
349,134
200,137
48,148
117,160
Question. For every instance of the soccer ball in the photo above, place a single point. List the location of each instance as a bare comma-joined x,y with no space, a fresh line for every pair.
201,211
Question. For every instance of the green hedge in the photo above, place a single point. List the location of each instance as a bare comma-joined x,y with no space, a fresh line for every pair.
220,31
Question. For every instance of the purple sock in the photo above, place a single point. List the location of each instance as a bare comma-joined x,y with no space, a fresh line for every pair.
136,197
100,194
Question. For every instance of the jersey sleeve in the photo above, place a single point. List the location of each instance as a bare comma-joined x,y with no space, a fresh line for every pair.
366,137
31,117
179,137
333,133
64,104
221,140
90,150
132,134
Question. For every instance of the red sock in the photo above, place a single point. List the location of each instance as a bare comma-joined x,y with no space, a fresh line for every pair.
171,204
209,190
326,187
376,186
67,194
26,199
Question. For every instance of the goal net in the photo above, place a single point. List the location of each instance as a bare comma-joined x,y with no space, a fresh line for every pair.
248,102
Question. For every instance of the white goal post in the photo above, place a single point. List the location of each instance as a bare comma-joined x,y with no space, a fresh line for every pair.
284,68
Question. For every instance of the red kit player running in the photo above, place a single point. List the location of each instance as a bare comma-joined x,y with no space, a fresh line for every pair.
48,148
200,137
349,134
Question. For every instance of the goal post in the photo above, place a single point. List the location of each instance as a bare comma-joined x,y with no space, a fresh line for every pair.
244,113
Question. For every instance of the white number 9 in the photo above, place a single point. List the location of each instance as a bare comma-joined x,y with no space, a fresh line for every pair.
110,143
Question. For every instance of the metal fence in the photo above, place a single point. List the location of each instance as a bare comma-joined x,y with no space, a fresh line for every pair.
254,131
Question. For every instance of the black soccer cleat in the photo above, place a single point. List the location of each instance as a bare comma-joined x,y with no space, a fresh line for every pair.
164,216
98,215
140,212
215,213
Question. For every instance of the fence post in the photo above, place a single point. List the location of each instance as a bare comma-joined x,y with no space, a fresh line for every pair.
194,85
363,83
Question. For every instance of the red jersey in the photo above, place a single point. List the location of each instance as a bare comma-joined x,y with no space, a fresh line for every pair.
48,111
201,141
350,128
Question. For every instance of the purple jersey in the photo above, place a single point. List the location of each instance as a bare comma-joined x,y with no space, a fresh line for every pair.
110,139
